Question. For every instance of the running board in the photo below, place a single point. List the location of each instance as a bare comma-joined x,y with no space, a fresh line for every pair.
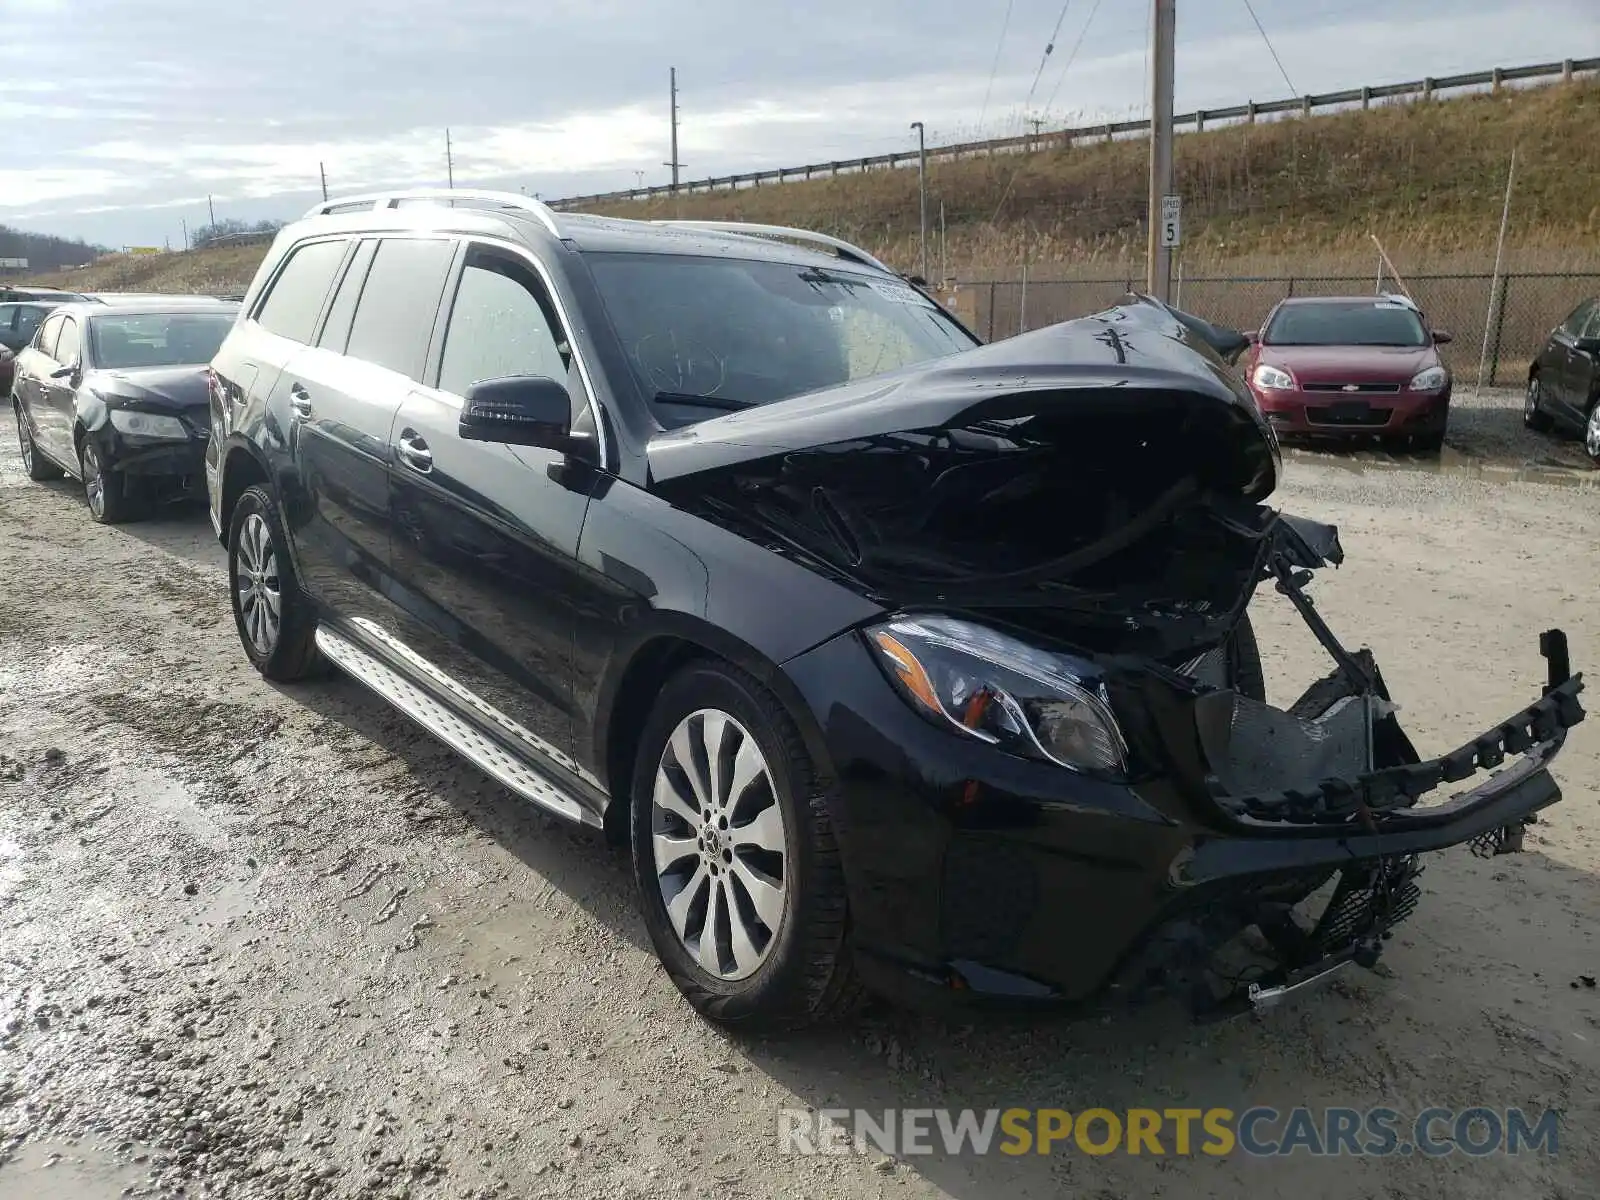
484,752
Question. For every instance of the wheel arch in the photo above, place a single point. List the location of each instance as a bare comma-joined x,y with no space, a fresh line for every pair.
630,690
242,467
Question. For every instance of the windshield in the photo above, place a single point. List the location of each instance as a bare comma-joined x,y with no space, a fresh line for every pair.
158,339
1378,323
719,333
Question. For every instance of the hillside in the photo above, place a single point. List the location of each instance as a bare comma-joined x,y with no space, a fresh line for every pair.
1299,194
43,252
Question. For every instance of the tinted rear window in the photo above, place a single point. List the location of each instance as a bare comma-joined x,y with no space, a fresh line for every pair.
399,302
1377,323
297,294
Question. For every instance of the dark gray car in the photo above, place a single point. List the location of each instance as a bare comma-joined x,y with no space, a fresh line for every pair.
116,397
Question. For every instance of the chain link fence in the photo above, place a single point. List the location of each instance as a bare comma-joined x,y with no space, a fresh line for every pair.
1520,311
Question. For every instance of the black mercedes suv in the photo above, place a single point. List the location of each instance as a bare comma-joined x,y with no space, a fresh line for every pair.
900,661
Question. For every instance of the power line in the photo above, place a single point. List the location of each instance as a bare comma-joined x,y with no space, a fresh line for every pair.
994,67
1082,33
1045,57
1076,46
1293,91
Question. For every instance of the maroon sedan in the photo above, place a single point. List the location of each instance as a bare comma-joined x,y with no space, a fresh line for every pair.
1351,366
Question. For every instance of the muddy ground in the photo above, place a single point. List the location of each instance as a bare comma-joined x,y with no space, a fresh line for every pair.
261,942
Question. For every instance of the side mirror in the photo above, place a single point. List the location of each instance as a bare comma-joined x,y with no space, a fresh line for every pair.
66,372
1252,336
519,410
1440,337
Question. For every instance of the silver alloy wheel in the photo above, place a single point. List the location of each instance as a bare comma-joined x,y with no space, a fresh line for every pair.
260,589
1591,434
720,843
24,439
1530,405
94,480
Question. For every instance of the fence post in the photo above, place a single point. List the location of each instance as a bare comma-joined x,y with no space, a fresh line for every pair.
1366,97
1250,112
1199,120
1496,78
1499,328
1305,106
1566,70
1291,285
990,336
1427,87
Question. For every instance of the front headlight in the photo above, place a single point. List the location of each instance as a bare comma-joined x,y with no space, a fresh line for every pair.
999,690
150,425
1430,380
1274,379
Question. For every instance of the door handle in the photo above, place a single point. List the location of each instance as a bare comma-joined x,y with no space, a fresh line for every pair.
300,401
414,452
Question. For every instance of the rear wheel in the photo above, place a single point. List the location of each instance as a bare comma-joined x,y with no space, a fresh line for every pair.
735,857
1591,431
39,468
1533,414
276,621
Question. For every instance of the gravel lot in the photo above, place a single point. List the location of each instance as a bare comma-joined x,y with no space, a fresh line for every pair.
275,943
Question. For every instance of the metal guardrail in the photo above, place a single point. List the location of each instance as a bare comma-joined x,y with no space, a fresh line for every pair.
236,239
1196,120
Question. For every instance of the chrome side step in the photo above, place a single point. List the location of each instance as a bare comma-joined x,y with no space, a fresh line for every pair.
460,735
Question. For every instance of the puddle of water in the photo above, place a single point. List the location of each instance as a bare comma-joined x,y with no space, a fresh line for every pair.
10,866
63,1171
166,797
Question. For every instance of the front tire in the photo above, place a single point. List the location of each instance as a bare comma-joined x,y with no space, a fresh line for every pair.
39,468
276,621
1533,415
734,853
1591,431
104,490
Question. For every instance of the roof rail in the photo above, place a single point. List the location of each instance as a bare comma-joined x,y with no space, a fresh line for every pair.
843,248
376,201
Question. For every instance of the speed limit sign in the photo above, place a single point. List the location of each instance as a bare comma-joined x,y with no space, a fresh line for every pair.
1171,220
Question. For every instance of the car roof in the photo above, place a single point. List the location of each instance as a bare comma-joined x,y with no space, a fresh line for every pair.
152,308
494,214
620,235
1349,301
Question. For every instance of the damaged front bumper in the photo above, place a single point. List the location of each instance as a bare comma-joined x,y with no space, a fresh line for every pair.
1224,871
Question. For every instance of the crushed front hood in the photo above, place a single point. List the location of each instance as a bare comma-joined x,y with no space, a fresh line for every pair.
1098,481
1135,358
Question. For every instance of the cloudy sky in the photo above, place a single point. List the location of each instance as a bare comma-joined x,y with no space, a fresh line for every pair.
121,116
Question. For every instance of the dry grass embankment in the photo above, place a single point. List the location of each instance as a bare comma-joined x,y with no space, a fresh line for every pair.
1291,196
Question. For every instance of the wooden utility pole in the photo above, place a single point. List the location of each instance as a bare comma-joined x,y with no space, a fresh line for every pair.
449,161
1158,256
322,171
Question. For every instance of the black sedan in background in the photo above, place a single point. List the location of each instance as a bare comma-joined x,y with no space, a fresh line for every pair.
19,321
117,397
1564,380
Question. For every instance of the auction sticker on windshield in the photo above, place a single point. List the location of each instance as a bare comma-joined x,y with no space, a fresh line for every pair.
900,293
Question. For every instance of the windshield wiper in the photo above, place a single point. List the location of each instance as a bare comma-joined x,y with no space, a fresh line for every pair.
723,402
